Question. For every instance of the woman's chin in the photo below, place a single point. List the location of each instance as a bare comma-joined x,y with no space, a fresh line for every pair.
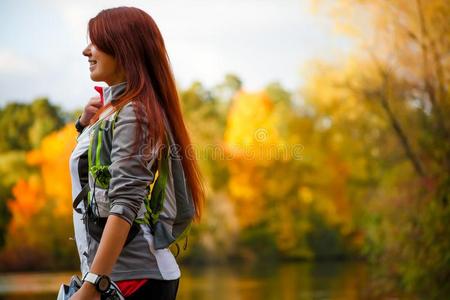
95,77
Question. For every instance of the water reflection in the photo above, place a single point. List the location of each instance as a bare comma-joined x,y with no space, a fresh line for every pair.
346,281
286,281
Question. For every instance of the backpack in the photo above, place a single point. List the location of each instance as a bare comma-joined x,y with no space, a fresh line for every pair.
98,163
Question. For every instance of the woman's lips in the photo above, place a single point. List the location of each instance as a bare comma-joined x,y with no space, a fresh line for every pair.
92,65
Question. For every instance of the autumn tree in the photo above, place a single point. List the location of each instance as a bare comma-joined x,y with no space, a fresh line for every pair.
22,127
40,231
401,78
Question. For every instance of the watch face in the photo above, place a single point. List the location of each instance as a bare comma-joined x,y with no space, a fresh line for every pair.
103,283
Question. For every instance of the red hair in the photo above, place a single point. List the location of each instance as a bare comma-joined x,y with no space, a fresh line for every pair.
132,37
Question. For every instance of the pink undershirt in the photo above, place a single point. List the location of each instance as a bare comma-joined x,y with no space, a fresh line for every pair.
128,287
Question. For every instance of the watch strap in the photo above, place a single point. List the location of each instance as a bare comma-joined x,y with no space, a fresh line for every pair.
98,281
78,125
91,277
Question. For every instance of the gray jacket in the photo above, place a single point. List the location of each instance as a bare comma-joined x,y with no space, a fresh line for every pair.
147,255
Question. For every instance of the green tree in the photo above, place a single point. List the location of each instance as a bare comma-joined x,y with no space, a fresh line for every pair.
22,126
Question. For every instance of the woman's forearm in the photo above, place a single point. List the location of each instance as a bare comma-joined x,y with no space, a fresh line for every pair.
113,239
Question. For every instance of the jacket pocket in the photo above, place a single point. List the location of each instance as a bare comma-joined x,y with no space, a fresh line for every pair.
141,212
100,202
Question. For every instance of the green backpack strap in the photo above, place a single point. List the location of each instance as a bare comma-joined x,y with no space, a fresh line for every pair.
99,172
159,190
154,201
116,115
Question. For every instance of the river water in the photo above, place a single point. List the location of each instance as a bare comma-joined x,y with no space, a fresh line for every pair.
306,281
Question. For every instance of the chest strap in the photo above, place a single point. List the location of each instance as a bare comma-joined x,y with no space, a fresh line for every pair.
83,194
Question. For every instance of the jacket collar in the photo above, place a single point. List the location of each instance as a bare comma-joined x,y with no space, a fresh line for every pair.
111,93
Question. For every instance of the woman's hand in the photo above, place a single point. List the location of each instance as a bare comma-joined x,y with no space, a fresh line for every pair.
90,109
86,292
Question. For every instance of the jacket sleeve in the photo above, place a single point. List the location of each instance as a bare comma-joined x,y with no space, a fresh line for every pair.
130,172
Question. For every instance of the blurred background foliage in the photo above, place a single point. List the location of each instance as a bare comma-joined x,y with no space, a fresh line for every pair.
355,164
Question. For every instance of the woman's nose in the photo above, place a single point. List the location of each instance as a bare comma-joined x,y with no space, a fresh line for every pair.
87,50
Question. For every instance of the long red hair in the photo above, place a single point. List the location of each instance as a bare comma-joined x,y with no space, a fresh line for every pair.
132,37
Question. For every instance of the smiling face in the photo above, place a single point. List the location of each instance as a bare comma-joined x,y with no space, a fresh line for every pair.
103,67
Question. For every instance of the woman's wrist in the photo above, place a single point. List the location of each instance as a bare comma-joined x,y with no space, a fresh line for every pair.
80,125
90,289
83,122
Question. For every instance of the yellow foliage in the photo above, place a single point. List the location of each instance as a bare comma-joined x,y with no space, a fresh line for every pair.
250,124
305,194
251,131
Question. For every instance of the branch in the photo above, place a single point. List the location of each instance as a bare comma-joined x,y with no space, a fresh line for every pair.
428,85
382,95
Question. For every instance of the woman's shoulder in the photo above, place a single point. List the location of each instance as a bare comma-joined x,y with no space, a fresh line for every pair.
126,114
127,110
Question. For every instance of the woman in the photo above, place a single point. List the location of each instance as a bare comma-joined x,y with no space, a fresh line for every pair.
120,160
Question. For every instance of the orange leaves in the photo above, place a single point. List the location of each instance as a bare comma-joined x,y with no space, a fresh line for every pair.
29,198
51,187
53,159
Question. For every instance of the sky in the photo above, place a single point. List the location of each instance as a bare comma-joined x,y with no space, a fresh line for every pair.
260,41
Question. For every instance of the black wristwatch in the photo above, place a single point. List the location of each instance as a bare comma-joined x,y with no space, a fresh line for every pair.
102,283
78,125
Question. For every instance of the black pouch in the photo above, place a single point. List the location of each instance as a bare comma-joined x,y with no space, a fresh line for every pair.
95,226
